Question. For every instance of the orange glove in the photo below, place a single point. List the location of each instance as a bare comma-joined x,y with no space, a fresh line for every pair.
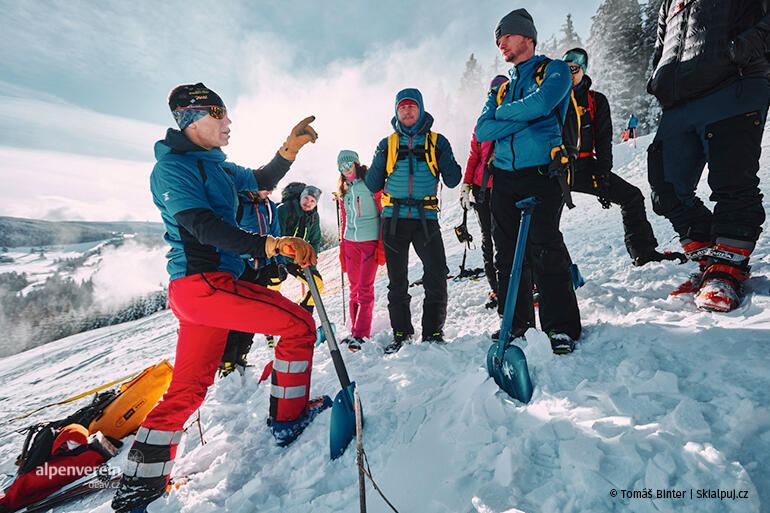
294,247
300,135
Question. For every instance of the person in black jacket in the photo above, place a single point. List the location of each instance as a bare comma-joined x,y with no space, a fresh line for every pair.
712,77
593,167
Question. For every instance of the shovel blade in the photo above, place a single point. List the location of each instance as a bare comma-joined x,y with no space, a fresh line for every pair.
343,423
511,374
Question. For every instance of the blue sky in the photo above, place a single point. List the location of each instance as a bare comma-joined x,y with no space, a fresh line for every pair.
92,78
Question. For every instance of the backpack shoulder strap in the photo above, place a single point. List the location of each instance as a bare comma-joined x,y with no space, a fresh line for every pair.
578,121
393,144
592,104
503,91
430,152
539,74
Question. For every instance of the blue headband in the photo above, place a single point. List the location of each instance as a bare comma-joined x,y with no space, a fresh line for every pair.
187,117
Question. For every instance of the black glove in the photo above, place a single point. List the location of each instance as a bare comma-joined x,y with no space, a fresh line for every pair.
655,256
601,184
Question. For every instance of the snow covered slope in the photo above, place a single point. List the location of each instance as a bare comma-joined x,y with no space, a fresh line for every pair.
658,396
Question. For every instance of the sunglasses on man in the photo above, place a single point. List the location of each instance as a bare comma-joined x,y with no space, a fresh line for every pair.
346,165
214,111
574,69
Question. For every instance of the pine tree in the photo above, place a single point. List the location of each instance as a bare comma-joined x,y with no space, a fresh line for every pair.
472,81
618,60
571,38
556,45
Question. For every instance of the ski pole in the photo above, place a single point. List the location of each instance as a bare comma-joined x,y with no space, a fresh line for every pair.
342,274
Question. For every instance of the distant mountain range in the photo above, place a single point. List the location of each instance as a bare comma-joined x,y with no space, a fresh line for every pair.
17,231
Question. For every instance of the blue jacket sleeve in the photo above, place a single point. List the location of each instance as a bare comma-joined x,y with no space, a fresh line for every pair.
489,129
556,85
375,176
263,178
447,165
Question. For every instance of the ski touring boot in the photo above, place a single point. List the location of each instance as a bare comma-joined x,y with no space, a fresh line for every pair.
354,343
134,494
399,338
561,343
285,432
491,301
434,338
721,286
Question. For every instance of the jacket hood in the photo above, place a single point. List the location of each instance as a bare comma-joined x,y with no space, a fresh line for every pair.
421,127
177,143
409,94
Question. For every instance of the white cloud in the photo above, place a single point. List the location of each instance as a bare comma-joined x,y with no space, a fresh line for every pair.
52,185
128,272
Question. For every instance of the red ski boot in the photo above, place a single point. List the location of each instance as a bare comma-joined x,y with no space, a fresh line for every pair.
721,285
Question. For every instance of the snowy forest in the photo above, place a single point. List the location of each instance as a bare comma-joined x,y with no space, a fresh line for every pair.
619,46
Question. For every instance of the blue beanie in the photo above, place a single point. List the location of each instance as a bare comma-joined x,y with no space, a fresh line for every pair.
347,156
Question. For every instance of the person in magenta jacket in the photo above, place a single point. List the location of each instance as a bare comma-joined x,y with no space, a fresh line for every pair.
475,192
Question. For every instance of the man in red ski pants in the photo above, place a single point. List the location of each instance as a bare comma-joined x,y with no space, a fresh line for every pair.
195,189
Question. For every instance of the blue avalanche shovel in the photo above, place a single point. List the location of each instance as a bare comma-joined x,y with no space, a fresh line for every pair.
506,362
343,424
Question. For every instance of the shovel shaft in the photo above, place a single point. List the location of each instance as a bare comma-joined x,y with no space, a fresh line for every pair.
331,339
526,206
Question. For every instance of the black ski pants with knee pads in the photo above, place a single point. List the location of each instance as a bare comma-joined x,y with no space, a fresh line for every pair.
723,130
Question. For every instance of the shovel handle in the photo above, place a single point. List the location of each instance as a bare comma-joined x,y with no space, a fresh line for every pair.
527,206
331,339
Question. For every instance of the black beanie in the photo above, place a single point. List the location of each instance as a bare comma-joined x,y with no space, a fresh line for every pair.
518,22
188,95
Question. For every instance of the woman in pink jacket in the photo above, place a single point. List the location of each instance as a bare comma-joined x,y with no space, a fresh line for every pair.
478,182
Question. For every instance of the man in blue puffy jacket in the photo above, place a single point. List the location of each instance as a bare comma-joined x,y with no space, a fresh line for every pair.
407,167
525,127
196,191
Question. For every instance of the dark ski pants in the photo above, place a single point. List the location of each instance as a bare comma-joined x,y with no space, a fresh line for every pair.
723,129
546,258
639,237
484,214
430,249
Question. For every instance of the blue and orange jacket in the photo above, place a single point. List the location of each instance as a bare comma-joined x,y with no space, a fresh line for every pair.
260,217
524,126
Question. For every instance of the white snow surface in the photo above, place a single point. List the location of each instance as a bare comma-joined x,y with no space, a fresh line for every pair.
658,396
